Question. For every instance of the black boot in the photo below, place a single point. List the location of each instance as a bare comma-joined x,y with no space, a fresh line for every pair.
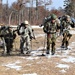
47,52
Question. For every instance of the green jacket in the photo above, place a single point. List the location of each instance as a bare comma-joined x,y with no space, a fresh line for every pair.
50,27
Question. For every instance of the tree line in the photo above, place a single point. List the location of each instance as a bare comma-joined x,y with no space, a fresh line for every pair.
32,10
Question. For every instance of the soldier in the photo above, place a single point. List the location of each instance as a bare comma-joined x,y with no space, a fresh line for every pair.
50,28
25,31
8,37
65,27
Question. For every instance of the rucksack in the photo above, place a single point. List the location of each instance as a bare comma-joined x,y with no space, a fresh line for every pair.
20,29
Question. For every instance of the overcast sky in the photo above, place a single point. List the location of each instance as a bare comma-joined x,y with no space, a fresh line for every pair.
56,3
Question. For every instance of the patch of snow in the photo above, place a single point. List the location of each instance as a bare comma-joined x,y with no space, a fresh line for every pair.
48,56
30,74
70,47
72,44
62,71
23,57
55,55
37,52
63,66
66,52
60,56
32,58
28,64
39,35
37,27
13,65
39,48
72,31
69,59
18,62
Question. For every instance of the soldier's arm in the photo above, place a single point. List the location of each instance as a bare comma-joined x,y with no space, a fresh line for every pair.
31,32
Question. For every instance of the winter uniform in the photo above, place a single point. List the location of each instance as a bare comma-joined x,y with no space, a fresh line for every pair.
26,35
66,25
51,27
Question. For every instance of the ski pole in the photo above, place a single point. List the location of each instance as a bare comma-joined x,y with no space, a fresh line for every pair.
44,46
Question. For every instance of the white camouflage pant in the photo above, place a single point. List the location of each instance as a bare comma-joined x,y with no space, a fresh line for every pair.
24,44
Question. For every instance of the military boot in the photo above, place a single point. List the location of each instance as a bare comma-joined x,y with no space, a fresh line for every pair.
52,52
47,52
67,43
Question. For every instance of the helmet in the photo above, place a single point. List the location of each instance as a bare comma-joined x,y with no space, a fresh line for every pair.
53,16
26,22
67,17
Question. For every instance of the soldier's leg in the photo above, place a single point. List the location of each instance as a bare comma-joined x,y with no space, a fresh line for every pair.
62,45
7,41
67,43
8,49
67,40
21,45
28,45
9,46
4,47
53,48
48,45
63,42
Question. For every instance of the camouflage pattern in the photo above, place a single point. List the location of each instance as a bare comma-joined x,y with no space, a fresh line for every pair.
8,37
51,28
26,36
66,34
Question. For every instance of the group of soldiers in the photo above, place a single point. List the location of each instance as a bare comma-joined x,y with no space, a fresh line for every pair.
8,35
51,26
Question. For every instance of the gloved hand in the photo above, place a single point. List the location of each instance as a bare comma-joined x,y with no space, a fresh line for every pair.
1,35
31,37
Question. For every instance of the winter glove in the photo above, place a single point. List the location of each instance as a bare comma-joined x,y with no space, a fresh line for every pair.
31,37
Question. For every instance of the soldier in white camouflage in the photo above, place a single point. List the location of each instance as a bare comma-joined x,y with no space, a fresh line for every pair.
26,35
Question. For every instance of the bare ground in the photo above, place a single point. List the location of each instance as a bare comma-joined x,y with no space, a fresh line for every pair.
35,63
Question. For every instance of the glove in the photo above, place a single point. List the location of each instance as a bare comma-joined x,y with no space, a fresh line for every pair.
1,35
31,37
